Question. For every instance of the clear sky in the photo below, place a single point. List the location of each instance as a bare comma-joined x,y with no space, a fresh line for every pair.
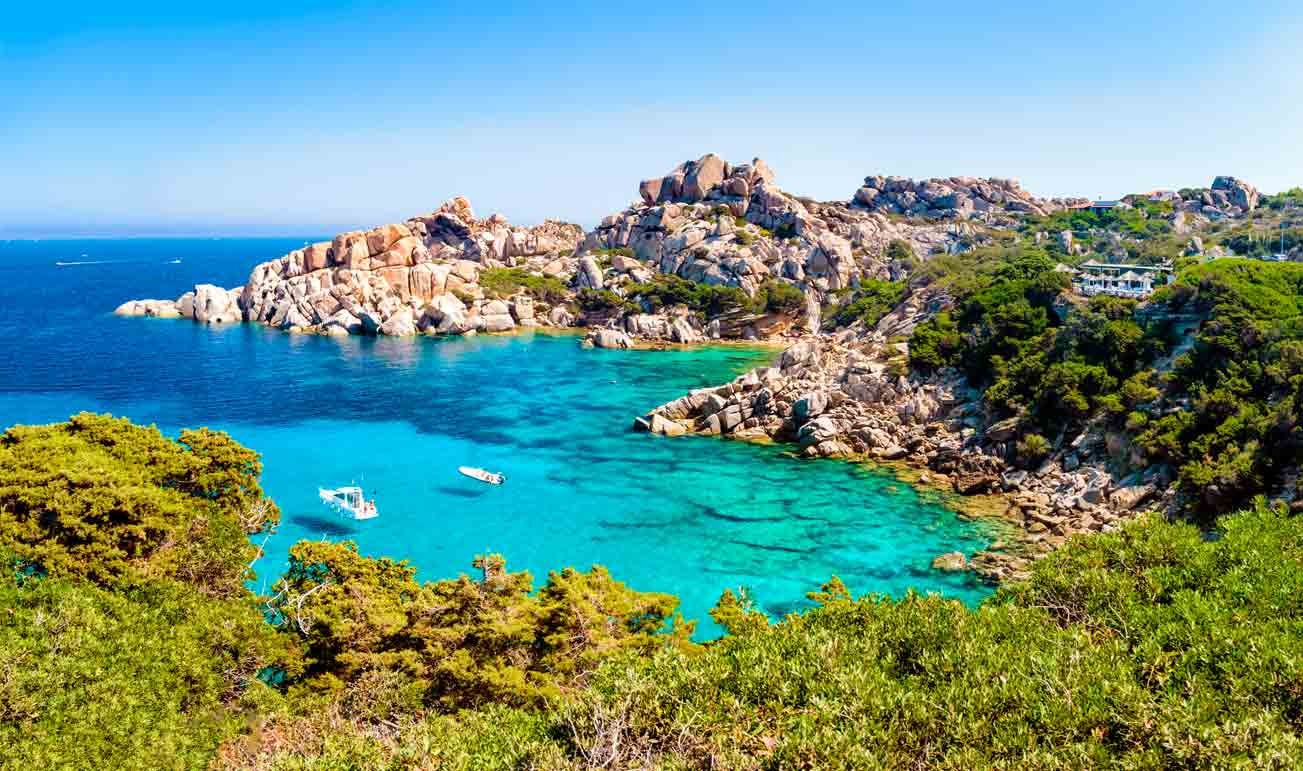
281,115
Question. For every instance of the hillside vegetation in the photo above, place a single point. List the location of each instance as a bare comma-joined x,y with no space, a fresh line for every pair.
1152,647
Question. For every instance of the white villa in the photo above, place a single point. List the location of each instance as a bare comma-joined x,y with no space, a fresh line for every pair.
1118,280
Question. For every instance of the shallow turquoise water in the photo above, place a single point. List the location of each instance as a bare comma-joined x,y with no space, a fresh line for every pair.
690,516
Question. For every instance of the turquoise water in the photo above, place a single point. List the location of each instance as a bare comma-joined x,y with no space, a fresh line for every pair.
690,516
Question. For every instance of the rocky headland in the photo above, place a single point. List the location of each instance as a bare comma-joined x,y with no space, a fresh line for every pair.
850,396
840,390
707,221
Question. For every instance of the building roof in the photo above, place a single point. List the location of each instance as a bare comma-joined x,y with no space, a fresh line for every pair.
1110,267
1105,204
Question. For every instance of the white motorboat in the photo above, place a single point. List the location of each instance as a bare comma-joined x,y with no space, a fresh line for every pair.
349,502
482,475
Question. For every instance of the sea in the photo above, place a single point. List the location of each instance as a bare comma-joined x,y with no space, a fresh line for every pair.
691,516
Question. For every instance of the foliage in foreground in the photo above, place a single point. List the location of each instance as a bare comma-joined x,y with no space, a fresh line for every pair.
373,634
102,499
151,677
1154,647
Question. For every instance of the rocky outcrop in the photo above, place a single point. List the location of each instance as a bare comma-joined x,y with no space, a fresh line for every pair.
848,397
206,304
731,225
608,338
399,279
952,197
1227,197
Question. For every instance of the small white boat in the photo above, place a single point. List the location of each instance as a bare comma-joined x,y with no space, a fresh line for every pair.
349,502
482,475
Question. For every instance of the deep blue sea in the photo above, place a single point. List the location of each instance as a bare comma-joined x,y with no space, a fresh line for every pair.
691,516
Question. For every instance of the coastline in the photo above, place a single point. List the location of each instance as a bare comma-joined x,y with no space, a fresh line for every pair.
841,399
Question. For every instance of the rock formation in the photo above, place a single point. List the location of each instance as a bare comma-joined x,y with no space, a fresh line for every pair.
848,396
706,221
716,223
953,197
399,279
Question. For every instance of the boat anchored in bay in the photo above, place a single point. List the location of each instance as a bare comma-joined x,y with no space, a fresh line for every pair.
348,502
488,477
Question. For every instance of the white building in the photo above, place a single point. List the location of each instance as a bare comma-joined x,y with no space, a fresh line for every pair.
1135,281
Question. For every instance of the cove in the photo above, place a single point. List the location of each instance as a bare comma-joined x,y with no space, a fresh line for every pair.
689,516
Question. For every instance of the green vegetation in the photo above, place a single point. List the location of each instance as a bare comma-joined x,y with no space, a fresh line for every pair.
149,677
1006,334
901,252
101,499
1143,219
508,282
868,303
707,299
775,296
1247,241
1152,647
1239,389
367,627
1289,199
600,301
620,251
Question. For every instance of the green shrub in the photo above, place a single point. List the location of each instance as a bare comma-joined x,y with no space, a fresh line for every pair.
1033,448
102,499
868,303
508,282
707,299
776,296
600,300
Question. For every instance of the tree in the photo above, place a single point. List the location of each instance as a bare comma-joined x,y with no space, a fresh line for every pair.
102,499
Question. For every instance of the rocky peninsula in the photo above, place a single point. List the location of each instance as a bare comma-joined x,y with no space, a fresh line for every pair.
713,250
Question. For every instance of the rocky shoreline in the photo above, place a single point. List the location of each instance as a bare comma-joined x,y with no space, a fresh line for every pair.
848,397
708,222
635,281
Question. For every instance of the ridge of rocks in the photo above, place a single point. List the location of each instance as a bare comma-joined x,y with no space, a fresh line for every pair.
845,396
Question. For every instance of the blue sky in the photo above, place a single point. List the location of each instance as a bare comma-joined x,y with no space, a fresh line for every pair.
295,117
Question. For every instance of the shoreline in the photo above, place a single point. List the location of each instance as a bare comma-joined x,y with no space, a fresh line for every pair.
829,398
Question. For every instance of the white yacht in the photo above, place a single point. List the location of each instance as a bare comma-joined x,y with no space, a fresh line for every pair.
349,502
482,475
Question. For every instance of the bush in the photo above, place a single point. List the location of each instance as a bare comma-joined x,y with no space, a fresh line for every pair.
776,296
1032,449
101,499
463,642
899,251
600,301
622,251
508,282
150,677
707,299
869,302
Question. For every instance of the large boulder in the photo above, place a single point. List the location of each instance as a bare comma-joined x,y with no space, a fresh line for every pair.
445,315
215,305
495,316
703,176
1237,192
589,275
316,256
162,309
650,190
608,338
401,324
